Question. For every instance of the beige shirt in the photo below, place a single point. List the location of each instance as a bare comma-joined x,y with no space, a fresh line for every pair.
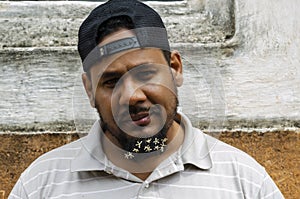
204,167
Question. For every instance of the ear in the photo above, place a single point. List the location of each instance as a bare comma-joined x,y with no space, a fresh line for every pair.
88,88
176,67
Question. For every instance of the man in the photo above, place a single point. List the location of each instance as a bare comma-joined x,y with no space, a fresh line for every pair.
141,147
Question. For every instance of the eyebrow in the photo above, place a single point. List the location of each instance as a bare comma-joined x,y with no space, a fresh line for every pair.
107,74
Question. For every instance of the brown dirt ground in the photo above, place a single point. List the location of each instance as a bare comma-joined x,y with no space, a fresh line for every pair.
279,152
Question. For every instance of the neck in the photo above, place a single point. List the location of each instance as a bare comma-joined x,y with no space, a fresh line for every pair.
142,165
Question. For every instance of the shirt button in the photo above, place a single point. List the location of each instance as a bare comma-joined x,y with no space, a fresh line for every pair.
146,185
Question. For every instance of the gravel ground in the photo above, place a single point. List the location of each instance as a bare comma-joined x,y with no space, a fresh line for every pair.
279,152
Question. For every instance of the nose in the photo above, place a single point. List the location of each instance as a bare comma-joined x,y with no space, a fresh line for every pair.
131,92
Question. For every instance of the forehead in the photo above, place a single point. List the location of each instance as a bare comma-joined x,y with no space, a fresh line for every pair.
125,61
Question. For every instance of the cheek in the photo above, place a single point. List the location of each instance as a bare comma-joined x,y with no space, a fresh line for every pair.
159,94
103,102
166,83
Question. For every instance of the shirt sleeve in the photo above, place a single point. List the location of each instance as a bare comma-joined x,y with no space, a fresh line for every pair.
269,190
18,191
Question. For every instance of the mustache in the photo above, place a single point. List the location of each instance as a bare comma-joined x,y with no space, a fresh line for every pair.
134,110
137,109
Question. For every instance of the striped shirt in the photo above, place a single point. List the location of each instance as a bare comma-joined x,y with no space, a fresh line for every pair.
203,167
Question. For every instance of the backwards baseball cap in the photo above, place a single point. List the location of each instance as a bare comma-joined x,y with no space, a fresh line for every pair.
149,30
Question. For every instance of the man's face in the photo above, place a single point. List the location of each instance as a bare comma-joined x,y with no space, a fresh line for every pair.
135,93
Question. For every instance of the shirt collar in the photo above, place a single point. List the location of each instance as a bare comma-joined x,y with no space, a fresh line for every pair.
194,150
90,156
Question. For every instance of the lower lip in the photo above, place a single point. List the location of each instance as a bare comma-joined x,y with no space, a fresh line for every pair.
143,121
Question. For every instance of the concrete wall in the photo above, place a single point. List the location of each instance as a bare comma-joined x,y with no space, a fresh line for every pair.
241,57
263,81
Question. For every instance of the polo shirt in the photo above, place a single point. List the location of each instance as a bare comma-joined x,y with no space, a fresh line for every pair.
203,167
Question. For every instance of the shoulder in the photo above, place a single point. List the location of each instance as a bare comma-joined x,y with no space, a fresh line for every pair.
45,169
251,176
54,161
228,159
224,154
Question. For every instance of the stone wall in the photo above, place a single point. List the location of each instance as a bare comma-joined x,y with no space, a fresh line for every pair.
247,54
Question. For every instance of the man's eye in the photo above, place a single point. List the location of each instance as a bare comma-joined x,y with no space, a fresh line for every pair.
111,82
145,75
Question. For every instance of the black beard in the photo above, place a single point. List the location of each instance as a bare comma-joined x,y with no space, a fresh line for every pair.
128,143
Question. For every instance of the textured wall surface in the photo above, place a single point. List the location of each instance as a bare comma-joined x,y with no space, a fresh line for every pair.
262,81
241,62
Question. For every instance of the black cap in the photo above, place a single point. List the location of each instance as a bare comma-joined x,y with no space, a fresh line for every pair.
148,27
